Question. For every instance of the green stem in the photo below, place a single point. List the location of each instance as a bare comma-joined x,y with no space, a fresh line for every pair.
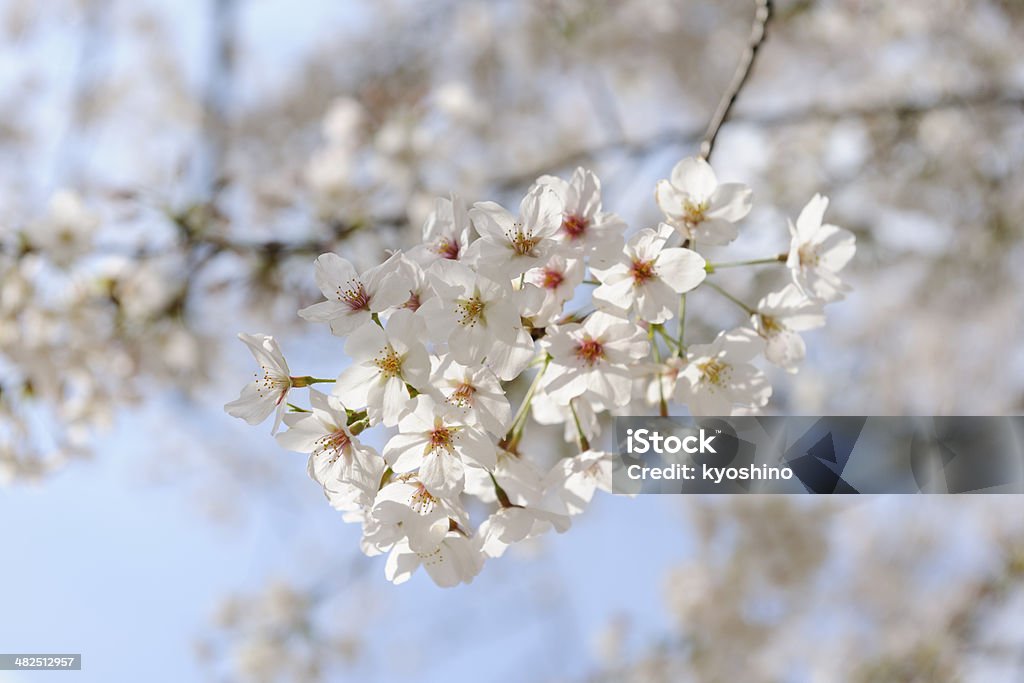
680,344
515,432
591,282
500,493
305,381
662,405
298,409
581,438
730,297
666,337
712,267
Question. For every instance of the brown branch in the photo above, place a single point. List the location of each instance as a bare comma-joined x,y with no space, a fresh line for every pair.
758,33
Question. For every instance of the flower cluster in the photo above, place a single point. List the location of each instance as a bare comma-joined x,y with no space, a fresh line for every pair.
439,334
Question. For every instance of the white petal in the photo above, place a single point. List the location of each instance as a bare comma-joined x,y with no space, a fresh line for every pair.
681,269
731,202
694,176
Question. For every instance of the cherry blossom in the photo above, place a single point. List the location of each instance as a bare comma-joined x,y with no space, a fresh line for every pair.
385,363
818,251
586,322
353,299
406,509
476,389
585,228
457,559
647,277
556,282
471,312
700,207
719,378
446,232
336,455
510,246
266,394
594,360
779,317
573,481
438,440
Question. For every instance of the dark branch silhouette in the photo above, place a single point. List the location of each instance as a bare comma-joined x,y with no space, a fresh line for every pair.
758,33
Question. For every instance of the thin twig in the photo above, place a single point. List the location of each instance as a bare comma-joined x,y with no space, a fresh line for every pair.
758,33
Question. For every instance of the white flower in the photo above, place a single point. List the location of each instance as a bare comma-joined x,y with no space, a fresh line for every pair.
455,560
476,389
573,481
471,313
585,228
647,277
594,360
509,246
446,232
383,362
818,252
719,379
351,298
268,391
698,206
517,476
405,509
336,456
547,411
509,525
665,374
509,360
780,315
437,440
556,282
419,288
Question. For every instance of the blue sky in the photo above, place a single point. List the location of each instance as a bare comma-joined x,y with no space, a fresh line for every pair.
103,561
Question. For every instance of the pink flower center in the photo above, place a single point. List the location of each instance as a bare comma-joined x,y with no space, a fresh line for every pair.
642,271
336,442
441,437
354,296
590,351
413,302
574,225
448,249
463,395
272,383
551,278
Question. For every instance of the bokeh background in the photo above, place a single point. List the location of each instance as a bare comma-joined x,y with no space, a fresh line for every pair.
168,171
